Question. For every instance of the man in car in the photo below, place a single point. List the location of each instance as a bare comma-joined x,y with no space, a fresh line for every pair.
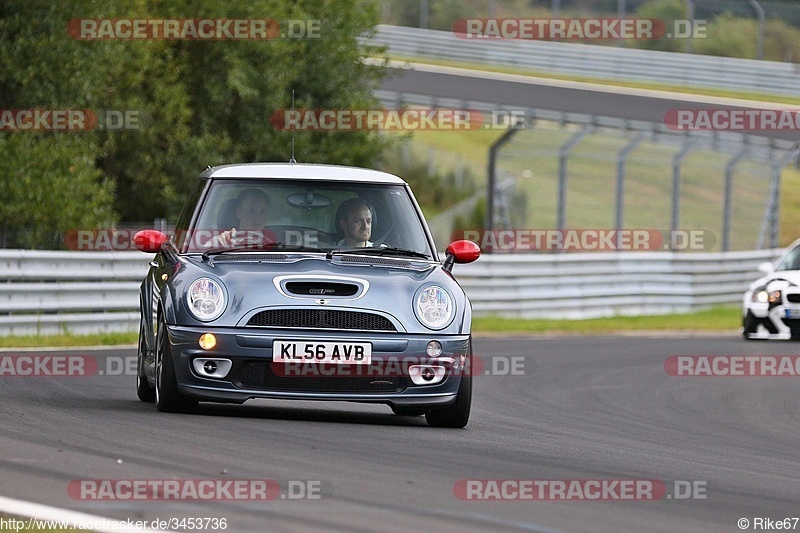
355,221
251,212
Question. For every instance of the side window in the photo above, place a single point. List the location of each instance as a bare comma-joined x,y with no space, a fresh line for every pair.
185,218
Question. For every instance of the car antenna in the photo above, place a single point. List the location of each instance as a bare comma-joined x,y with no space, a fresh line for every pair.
292,160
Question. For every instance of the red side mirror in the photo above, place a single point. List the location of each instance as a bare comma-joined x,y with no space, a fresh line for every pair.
463,251
149,240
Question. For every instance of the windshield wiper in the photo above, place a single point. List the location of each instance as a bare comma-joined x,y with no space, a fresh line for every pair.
217,251
388,250
293,247
266,247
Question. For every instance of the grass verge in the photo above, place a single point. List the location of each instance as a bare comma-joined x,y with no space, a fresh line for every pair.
721,318
68,340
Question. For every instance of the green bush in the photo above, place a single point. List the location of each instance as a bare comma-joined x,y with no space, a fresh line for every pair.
50,185
667,10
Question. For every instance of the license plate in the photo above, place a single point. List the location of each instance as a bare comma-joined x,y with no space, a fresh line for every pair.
345,353
793,313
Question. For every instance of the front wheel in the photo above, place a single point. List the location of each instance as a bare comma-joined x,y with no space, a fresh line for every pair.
455,415
144,391
167,397
749,326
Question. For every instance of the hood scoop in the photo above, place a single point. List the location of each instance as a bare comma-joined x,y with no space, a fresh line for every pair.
321,288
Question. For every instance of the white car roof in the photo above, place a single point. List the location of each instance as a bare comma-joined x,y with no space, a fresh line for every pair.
301,171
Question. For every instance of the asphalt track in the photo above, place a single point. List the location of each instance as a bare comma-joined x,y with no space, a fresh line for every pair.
576,408
572,97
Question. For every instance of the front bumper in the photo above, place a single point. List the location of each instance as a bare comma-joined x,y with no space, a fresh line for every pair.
253,374
779,321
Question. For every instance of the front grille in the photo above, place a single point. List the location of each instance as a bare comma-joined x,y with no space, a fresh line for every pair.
793,297
259,375
321,319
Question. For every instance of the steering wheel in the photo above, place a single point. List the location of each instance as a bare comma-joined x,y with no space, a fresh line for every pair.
250,238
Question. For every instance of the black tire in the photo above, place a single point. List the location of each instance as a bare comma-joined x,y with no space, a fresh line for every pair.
455,415
408,410
167,397
144,391
749,325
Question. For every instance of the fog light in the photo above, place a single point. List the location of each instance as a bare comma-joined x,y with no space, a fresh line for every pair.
434,349
207,341
425,374
212,368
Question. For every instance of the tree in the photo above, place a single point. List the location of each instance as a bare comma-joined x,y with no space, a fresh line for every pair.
198,102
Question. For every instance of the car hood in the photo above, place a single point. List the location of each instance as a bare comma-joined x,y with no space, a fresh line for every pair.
386,286
780,277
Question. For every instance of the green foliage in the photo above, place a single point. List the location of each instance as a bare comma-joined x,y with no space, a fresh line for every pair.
433,188
50,185
729,36
667,10
199,102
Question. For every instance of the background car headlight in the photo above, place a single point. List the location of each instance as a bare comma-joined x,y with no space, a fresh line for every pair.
763,296
205,298
434,307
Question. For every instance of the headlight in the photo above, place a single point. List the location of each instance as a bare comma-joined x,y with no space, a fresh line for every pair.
205,299
434,307
762,296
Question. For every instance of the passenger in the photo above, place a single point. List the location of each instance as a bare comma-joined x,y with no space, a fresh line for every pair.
354,218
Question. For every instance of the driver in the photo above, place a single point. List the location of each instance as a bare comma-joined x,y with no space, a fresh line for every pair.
251,211
355,222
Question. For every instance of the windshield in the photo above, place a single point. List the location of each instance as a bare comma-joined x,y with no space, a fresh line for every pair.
791,261
306,215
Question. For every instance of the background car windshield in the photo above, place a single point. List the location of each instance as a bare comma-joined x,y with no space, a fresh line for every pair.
305,213
791,261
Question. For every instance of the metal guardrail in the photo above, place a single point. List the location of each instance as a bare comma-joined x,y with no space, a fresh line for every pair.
81,292
604,62
585,285
89,292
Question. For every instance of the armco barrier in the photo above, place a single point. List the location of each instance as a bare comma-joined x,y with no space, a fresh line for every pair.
603,62
570,285
82,292
87,292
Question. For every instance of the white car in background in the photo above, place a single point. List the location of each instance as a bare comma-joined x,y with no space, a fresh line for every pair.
771,307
